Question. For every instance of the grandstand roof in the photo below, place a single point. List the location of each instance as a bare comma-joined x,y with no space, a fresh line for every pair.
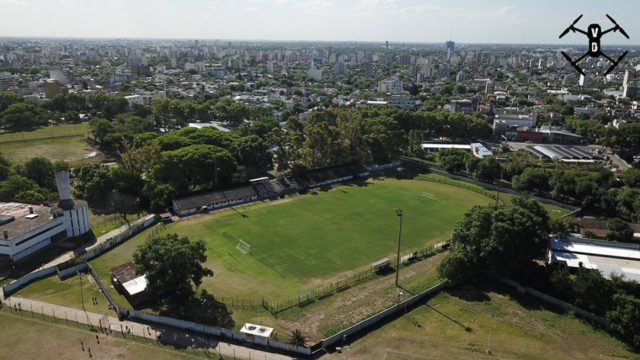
213,197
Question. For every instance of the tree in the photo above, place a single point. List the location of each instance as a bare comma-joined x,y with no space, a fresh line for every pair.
488,170
134,163
232,111
624,318
9,98
253,153
15,185
5,167
22,116
497,239
631,177
452,160
173,265
563,284
592,291
100,129
297,338
195,166
619,231
41,171
531,179
455,266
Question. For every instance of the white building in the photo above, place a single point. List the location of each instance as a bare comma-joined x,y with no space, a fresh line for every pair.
480,151
609,257
515,120
134,99
402,102
28,228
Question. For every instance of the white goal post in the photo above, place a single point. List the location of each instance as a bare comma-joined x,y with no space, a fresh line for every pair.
244,247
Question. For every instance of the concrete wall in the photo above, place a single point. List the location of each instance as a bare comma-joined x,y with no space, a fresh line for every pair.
136,228
26,280
72,271
227,334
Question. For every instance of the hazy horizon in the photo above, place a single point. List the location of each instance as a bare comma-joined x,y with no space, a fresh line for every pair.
397,21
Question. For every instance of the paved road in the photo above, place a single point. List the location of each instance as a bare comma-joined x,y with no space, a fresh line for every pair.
164,335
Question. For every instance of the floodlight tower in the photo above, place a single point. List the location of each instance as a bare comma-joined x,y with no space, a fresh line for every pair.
400,214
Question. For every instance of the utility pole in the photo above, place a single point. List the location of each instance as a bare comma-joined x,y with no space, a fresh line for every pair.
399,214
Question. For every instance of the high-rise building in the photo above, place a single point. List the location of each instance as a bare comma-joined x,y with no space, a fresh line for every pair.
340,68
314,73
489,87
404,59
450,45
629,85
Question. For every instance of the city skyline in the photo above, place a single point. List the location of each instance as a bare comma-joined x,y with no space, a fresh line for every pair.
400,21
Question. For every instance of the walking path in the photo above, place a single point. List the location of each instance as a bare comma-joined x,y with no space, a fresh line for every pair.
160,334
99,241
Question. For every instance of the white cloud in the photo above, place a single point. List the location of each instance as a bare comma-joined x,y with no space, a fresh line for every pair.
15,2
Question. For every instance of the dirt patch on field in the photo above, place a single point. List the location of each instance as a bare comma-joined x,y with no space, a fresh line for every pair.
357,303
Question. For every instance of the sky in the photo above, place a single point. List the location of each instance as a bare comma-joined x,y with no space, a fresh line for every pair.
423,21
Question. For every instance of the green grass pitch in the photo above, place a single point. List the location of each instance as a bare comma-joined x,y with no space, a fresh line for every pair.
318,235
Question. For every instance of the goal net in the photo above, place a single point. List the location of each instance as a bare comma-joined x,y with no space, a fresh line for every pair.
243,247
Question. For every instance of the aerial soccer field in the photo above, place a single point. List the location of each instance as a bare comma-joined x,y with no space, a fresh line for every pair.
320,235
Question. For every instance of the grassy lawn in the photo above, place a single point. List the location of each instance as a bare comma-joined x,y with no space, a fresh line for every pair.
55,142
498,327
306,240
67,293
25,338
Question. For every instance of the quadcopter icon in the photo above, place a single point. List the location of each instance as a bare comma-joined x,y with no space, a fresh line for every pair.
594,33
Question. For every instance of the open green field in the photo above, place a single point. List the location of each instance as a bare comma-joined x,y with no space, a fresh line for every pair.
499,327
54,142
22,337
306,240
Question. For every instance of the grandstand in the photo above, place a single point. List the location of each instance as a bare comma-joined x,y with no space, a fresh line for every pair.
265,188
213,200
270,188
331,175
